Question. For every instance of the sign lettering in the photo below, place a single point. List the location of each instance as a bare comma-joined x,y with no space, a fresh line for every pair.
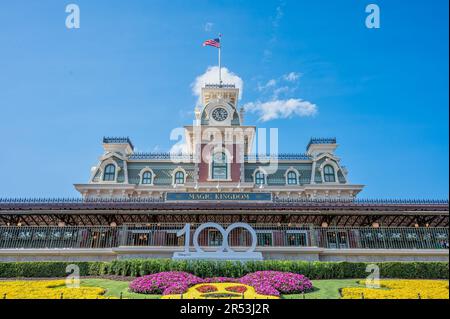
218,196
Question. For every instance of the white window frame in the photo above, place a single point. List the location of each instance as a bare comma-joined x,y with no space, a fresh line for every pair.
210,166
297,173
174,172
102,169
260,169
335,167
141,175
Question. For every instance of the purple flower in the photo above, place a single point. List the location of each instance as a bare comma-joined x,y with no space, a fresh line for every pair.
271,283
277,282
171,282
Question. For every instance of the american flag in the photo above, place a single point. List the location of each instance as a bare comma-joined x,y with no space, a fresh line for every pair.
213,42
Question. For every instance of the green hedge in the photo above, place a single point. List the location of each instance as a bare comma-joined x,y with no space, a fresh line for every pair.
313,270
46,269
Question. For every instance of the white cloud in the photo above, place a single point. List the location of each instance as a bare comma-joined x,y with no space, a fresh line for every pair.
281,90
211,76
269,84
208,26
291,77
281,109
278,16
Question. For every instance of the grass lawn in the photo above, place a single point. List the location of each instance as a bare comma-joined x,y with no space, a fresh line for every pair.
114,288
326,289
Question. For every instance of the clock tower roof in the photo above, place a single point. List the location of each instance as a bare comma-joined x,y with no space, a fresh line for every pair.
226,92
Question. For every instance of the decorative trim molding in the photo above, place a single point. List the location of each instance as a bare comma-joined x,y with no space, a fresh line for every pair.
175,171
336,168
297,173
141,173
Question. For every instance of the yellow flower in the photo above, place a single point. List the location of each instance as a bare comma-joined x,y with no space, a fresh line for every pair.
46,289
400,289
221,293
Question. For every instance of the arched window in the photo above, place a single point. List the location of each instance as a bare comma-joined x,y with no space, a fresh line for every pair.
328,174
292,178
147,178
110,172
260,178
219,166
179,178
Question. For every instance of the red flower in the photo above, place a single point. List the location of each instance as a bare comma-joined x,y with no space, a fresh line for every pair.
238,289
207,288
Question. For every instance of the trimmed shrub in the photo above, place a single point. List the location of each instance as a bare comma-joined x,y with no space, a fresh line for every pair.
43,269
234,269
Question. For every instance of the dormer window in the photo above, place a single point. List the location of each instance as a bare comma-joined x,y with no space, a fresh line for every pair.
147,178
260,178
328,174
292,178
110,173
179,178
219,166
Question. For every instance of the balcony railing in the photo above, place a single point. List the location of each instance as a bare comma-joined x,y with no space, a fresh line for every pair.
165,235
331,200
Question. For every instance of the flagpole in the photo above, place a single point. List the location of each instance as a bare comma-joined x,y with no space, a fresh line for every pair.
220,70
220,65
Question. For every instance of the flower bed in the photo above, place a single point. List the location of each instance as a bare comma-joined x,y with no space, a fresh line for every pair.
222,292
46,289
400,289
277,282
166,283
206,288
238,289
269,283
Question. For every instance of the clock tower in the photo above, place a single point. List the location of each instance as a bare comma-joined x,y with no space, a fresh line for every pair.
218,139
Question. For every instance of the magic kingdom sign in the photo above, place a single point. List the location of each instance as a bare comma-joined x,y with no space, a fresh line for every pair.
199,196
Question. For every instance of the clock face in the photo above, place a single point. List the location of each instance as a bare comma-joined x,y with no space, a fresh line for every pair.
219,114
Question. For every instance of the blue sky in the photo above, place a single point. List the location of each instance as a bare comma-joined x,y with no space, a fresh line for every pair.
128,71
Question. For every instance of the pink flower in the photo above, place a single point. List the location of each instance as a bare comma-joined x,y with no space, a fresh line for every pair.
271,283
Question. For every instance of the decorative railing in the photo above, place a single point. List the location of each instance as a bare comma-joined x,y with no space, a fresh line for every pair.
275,200
268,235
78,200
247,158
281,156
117,140
321,140
365,201
220,86
161,156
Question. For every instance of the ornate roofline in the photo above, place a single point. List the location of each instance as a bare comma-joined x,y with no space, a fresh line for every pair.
219,86
168,156
337,201
281,156
321,140
117,140
159,156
